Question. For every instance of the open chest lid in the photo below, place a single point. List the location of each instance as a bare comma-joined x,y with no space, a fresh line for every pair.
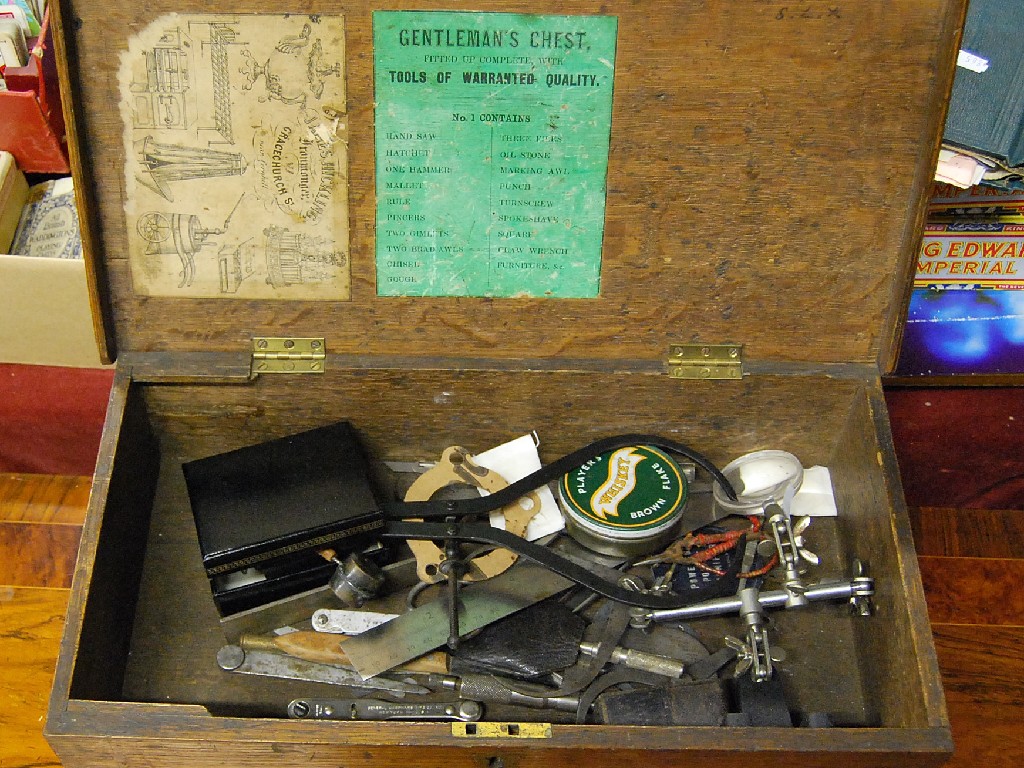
751,173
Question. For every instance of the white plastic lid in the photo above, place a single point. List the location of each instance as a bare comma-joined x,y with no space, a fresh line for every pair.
759,478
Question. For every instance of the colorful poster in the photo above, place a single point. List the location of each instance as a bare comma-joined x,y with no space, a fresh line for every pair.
492,136
957,331
971,254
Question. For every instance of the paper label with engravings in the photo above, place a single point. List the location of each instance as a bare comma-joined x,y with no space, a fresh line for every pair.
236,170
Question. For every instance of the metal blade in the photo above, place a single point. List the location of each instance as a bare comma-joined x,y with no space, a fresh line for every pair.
425,628
232,658
345,622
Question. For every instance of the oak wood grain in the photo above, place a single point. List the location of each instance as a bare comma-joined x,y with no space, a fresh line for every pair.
31,622
981,664
174,661
722,193
34,554
987,734
952,532
974,590
41,520
31,498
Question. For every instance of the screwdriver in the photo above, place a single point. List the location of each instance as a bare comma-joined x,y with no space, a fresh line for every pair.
488,688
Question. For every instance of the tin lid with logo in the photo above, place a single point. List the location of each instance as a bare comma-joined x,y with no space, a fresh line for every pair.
628,494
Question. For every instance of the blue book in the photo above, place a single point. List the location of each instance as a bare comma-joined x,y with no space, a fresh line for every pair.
986,107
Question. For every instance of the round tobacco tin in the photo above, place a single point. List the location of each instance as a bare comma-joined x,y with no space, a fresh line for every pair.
625,502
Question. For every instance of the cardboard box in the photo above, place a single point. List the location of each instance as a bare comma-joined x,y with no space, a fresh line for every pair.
47,319
971,254
951,204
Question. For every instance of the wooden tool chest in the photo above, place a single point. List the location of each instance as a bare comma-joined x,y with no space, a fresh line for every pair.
766,174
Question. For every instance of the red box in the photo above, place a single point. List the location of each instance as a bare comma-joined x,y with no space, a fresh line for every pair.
31,118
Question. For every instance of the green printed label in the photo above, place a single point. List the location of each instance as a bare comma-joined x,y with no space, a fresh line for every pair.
492,135
631,489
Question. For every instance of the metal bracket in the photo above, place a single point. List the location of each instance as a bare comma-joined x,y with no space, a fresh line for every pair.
705,361
502,730
288,355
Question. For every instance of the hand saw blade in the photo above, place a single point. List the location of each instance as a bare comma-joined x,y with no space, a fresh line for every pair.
425,628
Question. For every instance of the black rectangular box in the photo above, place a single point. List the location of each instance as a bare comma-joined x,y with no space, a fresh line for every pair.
267,509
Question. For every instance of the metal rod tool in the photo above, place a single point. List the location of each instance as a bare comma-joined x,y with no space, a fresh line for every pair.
488,688
646,662
857,590
232,658
376,709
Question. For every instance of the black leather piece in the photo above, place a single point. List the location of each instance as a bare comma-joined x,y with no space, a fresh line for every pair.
676,703
607,627
763,704
538,640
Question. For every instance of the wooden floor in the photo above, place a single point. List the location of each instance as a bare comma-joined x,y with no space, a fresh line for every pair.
41,520
972,563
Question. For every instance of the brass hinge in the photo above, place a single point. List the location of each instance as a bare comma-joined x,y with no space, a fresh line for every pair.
705,361
288,355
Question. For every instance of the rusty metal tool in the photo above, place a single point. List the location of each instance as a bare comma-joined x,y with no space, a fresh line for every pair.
425,628
232,658
375,709
326,649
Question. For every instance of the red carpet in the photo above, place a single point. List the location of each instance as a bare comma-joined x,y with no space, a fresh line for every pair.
51,419
961,447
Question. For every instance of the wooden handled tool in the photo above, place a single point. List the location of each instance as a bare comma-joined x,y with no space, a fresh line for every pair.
326,649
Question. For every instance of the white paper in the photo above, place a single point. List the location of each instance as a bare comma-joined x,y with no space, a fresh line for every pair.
959,170
236,156
514,460
815,497
971,61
